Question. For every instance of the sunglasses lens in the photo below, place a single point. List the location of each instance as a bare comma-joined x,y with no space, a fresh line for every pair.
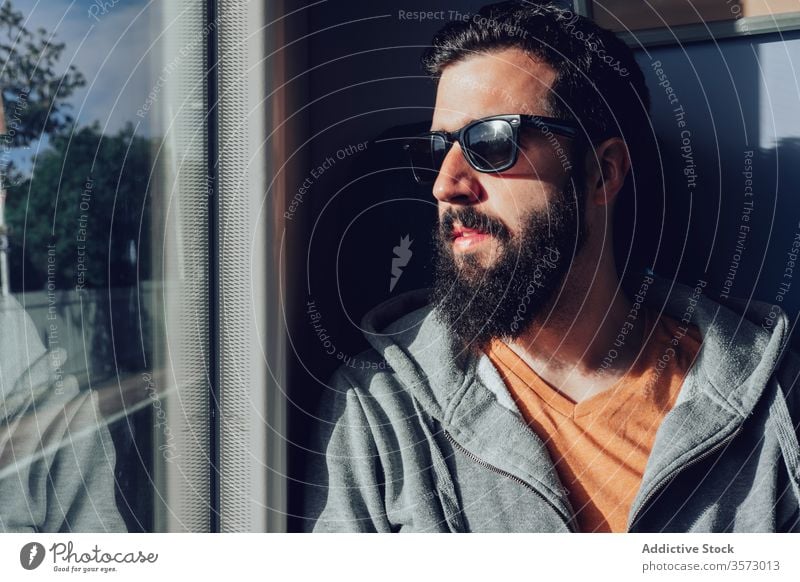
427,154
490,145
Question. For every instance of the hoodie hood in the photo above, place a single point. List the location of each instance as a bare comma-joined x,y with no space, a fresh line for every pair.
743,343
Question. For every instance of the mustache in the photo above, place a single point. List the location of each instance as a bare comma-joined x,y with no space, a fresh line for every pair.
471,218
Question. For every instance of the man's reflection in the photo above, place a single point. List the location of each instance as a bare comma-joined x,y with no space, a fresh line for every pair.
56,454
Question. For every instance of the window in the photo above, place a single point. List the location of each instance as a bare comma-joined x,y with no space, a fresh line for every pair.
105,361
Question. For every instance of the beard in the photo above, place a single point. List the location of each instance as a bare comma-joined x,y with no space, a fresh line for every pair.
478,304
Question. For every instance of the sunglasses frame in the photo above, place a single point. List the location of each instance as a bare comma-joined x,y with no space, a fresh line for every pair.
562,127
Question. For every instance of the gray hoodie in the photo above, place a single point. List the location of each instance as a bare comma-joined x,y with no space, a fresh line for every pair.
56,455
417,437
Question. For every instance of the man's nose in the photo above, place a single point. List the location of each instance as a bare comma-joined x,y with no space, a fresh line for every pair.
457,182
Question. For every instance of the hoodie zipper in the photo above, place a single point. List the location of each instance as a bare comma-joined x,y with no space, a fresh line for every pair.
570,521
677,472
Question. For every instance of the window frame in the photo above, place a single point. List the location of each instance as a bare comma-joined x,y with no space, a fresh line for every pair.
686,33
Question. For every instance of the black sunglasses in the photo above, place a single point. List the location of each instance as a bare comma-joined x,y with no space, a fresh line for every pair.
490,144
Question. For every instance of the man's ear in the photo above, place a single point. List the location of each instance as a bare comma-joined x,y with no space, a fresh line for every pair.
607,165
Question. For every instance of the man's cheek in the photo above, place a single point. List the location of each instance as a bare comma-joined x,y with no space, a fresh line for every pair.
515,220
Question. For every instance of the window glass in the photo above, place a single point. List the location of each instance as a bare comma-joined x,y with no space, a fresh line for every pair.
101,101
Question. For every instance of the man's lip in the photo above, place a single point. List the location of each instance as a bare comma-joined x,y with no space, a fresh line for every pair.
464,239
461,231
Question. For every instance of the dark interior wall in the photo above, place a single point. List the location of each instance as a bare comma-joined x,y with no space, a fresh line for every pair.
738,96
356,200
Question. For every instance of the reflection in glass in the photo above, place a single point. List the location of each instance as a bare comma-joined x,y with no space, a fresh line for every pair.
103,146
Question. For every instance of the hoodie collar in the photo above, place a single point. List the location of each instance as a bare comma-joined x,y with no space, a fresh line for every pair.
463,392
742,344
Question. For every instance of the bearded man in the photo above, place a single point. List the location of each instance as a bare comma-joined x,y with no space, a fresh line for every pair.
526,391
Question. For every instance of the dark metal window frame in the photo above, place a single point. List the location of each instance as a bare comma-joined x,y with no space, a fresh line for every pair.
212,53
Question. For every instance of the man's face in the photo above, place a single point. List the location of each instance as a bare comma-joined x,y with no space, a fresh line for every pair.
504,241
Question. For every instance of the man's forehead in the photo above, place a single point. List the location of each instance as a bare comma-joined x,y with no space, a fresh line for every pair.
507,81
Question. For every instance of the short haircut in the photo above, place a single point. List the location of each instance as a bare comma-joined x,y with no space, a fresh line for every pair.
598,82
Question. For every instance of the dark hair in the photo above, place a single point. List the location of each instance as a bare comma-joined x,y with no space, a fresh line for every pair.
598,82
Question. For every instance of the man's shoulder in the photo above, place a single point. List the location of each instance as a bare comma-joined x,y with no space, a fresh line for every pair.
407,348
361,371
785,413
366,378
397,314
788,376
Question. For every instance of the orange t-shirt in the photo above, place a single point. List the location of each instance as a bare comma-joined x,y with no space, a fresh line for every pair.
600,446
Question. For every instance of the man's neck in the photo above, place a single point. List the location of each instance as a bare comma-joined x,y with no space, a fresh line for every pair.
572,347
